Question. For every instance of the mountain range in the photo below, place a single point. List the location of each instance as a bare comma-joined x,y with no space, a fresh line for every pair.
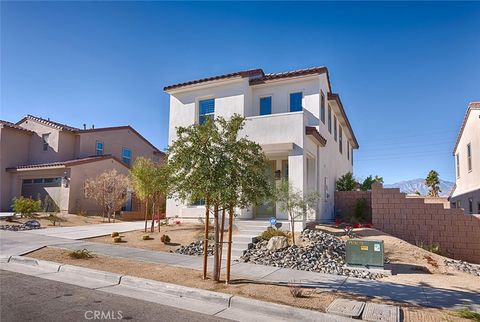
414,185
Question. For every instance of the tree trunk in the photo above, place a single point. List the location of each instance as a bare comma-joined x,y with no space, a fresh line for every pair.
152,226
216,254
229,245
146,214
292,222
221,242
205,241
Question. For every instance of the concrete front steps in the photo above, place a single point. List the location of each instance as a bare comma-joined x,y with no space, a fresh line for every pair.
248,231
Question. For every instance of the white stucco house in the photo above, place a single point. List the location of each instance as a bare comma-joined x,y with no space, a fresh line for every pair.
466,193
296,118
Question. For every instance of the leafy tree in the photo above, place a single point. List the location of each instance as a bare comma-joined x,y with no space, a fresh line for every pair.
433,183
367,183
109,190
347,182
294,202
150,183
26,206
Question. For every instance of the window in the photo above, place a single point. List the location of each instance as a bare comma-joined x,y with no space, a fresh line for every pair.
348,150
340,138
156,159
45,141
296,102
206,110
478,208
329,119
285,169
458,165
126,156
470,205
351,155
469,156
266,105
459,204
335,128
99,147
322,107
199,202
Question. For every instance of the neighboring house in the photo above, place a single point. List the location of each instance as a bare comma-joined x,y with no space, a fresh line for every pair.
296,118
39,157
466,193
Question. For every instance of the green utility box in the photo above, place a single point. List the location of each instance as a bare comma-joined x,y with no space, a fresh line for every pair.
361,252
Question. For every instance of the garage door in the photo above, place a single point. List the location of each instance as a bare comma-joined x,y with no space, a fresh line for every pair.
45,189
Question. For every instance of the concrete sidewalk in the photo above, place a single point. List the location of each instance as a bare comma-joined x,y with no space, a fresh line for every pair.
197,300
423,295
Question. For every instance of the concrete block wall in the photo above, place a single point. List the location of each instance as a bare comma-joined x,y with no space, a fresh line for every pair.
413,220
345,202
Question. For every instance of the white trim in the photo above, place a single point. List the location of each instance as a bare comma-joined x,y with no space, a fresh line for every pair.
272,115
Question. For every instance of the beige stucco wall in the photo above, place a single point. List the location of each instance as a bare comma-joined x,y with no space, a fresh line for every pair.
61,143
114,141
78,175
14,150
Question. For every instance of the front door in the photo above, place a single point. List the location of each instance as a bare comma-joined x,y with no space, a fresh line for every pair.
267,209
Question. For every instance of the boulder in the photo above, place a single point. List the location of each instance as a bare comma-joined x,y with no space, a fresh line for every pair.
276,243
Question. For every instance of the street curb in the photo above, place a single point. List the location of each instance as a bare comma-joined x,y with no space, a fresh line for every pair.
283,312
91,273
41,264
175,290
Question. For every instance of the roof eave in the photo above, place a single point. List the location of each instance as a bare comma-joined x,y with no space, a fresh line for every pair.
335,97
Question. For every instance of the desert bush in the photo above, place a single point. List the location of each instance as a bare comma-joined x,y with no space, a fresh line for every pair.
467,314
295,290
81,254
117,239
165,239
54,219
114,234
272,232
346,182
433,248
26,206
145,237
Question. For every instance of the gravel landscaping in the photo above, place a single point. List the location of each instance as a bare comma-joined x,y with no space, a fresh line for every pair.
462,266
195,248
17,227
320,252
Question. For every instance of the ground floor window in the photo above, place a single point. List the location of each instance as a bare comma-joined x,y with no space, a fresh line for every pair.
470,205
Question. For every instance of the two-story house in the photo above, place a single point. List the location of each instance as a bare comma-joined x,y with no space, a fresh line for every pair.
40,158
295,116
466,193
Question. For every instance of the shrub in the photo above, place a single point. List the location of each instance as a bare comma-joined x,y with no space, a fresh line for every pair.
165,239
26,206
346,182
467,314
54,219
114,234
359,210
81,254
145,237
433,248
117,239
272,232
295,290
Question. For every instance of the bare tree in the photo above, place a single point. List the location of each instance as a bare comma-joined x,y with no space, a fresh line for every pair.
109,190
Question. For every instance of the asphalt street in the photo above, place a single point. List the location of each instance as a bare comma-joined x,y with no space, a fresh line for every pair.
29,298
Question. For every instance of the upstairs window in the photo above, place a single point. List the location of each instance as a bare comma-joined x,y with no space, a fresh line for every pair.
335,128
457,157
206,110
322,107
329,119
99,148
45,138
340,139
348,150
266,105
126,156
296,102
351,155
469,156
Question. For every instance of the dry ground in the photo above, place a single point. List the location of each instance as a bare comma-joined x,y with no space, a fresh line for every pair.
179,235
413,265
313,299
70,220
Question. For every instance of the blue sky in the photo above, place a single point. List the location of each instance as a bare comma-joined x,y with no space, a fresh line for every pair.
405,71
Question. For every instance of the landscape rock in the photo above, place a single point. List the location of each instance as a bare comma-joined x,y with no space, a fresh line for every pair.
321,252
17,227
276,243
462,266
195,249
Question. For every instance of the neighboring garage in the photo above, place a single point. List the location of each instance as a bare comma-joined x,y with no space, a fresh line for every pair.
48,190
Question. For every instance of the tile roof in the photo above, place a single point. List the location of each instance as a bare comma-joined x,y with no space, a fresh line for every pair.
335,97
471,106
290,74
53,124
311,130
14,126
243,73
67,163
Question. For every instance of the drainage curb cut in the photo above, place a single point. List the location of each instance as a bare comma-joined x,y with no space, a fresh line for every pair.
41,264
